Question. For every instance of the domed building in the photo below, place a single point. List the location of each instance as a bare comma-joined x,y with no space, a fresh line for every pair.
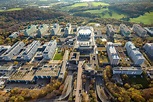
85,40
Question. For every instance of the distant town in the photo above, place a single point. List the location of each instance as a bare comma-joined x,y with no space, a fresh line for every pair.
86,60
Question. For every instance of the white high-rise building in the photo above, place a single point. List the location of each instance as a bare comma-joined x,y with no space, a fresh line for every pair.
112,54
50,50
134,53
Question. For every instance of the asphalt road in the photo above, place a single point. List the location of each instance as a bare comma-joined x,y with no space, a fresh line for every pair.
79,82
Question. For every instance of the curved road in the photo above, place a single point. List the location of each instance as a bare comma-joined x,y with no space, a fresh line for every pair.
67,87
99,83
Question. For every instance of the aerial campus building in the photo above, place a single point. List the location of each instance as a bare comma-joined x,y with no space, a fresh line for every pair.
13,51
110,31
134,53
14,35
42,29
67,30
30,31
128,70
29,51
139,30
149,49
85,40
112,54
50,50
55,29
124,30
149,30
3,49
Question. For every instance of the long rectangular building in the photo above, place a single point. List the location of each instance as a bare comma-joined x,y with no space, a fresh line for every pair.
139,30
112,54
149,49
128,70
110,31
50,50
134,53
14,50
124,30
30,50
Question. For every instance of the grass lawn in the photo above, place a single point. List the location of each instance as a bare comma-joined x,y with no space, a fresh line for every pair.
147,18
79,4
13,9
99,3
67,8
138,80
97,11
58,56
114,15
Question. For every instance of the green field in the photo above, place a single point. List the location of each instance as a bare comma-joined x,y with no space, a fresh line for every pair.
79,4
106,14
147,18
97,11
13,9
99,3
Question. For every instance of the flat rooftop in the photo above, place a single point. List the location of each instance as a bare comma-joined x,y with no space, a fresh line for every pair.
48,70
6,67
122,55
22,75
127,68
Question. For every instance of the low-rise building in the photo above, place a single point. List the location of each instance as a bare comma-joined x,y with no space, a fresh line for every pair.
112,54
110,31
124,30
63,68
149,49
3,49
55,29
6,69
13,51
128,70
48,71
139,30
134,53
14,35
50,49
30,31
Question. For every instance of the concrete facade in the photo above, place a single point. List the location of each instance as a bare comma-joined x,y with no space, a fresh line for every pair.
134,53
139,30
30,30
110,31
112,54
128,70
149,49
50,50
14,50
124,30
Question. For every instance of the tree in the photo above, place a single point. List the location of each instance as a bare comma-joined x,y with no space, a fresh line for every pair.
127,86
16,62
